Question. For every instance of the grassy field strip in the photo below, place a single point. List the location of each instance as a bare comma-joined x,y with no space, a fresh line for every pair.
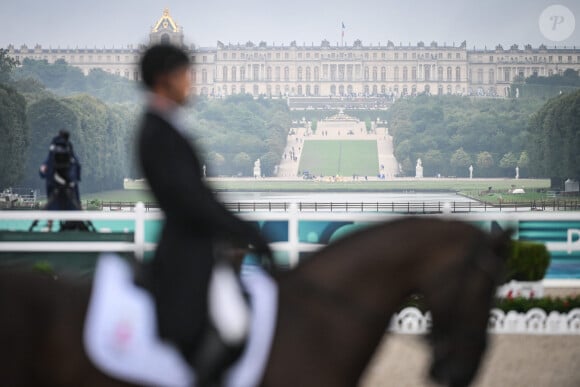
338,157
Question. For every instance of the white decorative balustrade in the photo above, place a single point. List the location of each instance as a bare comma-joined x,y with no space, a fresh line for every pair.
535,321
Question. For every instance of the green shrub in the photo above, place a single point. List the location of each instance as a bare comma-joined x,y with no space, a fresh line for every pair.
528,261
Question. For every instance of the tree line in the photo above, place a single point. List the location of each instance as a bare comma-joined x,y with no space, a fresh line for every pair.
101,111
451,133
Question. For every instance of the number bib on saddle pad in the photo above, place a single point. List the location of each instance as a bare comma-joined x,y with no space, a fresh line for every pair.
120,334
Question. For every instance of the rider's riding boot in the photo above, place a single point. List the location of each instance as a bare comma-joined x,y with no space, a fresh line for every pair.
227,330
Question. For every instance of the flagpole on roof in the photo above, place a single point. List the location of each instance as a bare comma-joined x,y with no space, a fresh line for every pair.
342,35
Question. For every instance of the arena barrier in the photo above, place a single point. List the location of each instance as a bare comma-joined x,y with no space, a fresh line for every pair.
295,234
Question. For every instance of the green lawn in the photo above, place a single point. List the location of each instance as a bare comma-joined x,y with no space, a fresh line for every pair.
344,158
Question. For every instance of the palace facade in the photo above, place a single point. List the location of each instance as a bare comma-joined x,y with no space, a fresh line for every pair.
326,69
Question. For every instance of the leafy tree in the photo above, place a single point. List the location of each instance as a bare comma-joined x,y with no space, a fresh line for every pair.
508,160
460,160
242,164
7,65
555,138
14,135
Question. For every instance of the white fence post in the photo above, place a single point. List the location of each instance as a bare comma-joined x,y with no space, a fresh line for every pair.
139,230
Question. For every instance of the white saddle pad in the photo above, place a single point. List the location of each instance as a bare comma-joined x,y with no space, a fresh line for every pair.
120,333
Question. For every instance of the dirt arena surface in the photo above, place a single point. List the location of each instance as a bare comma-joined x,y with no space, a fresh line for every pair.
511,361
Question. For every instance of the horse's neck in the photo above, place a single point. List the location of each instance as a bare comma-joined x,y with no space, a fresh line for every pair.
337,305
378,268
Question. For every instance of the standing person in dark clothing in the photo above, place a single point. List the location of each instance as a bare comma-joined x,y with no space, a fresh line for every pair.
62,171
180,272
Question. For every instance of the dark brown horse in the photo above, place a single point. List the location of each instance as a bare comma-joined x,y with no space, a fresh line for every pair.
333,309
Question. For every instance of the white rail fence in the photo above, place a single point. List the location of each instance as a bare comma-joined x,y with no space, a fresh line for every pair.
293,246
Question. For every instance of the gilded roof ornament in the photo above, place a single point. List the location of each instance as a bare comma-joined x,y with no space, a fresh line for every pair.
165,22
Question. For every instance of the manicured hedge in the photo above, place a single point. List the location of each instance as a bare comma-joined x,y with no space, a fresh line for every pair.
528,261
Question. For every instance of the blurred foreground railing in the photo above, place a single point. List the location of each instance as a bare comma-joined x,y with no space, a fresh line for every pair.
559,231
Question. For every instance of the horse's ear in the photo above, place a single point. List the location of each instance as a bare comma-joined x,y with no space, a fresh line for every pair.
501,241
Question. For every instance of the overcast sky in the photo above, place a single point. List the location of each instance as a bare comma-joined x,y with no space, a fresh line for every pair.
82,23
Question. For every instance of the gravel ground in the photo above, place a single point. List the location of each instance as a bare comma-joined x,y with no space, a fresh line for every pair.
511,360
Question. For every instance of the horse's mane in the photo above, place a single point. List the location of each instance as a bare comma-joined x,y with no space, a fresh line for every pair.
384,234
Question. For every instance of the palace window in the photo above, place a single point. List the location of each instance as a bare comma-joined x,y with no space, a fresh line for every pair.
427,72
383,73
480,76
277,89
204,76
256,72
457,74
341,90
440,73
256,90
333,90
449,74
277,73
396,55
225,73
491,78
414,73
349,72
316,90
286,73
269,73
449,56
277,55
308,74
458,56
405,74
316,74
233,89
242,74
375,90
414,55
366,90
366,76
375,73
299,90
203,59
234,73
383,89
349,89
333,72
396,73
308,90
405,56
242,89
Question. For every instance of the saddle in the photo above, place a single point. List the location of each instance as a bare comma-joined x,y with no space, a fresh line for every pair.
120,333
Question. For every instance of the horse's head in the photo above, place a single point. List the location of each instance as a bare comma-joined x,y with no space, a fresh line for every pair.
460,304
